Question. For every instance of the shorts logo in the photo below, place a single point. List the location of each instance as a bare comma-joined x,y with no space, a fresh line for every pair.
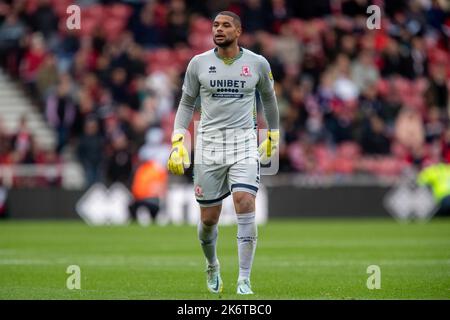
246,71
198,192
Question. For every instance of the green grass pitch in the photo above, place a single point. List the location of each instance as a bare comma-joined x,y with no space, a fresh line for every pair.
295,259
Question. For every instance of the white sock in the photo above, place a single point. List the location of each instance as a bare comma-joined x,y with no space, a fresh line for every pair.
247,235
208,238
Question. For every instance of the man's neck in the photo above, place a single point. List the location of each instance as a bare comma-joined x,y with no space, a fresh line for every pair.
229,52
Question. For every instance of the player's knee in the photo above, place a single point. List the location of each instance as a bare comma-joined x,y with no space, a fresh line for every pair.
210,221
244,202
210,215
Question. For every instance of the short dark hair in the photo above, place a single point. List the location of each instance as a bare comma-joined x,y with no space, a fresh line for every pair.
236,18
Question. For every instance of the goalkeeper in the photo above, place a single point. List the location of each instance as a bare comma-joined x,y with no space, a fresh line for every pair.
227,158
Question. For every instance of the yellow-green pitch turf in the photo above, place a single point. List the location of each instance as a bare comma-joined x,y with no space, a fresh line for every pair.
295,259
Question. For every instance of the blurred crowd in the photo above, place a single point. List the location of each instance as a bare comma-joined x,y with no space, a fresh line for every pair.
351,99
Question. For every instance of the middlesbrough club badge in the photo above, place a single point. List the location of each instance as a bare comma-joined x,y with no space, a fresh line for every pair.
198,191
246,71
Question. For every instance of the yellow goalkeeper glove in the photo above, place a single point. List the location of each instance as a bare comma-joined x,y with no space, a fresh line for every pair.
179,156
269,146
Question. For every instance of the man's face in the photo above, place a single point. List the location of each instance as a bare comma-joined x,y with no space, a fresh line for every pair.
225,31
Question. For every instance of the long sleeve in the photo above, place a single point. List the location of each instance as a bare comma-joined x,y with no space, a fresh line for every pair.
270,105
184,114
191,88
267,93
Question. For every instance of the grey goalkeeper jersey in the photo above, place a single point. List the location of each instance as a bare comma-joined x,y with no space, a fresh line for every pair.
227,94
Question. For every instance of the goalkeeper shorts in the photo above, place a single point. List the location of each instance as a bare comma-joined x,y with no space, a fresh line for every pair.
214,181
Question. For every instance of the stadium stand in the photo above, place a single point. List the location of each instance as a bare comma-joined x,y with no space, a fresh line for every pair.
352,100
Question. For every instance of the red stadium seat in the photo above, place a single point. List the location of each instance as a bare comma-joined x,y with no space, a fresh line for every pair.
112,28
420,85
202,26
162,59
201,42
383,86
119,11
343,165
95,11
349,150
88,26
31,6
183,55
60,7
297,26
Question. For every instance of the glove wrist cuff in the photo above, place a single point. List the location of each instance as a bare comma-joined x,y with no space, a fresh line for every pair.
273,134
177,138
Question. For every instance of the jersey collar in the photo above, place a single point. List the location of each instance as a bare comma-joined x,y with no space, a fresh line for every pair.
228,61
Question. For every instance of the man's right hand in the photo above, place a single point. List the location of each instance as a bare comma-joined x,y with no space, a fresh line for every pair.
179,156
269,146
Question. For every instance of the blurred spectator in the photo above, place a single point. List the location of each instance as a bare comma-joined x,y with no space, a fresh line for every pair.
374,137
391,104
154,147
437,177
419,57
149,29
12,32
134,61
177,23
434,127
446,146
66,49
149,187
90,151
288,49
315,127
52,174
341,126
396,60
348,46
369,102
86,108
119,164
47,77
436,13
363,71
279,14
149,184
353,8
345,87
32,61
409,129
437,93
44,19
23,143
5,144
118,85
162,89
254,15
61,112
